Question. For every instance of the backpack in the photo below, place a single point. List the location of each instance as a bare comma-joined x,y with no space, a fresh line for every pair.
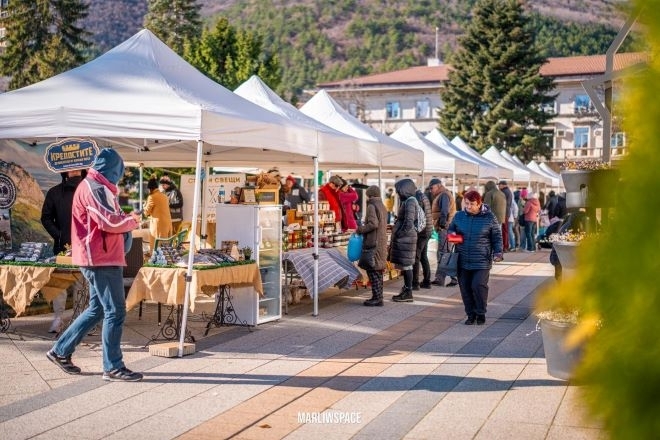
420,221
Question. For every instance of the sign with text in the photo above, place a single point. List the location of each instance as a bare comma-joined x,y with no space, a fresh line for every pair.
211,185
71,154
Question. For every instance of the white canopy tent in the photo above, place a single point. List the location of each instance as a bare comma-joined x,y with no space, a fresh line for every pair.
534,176
520,174
362,151
502,172
148,103
544,166
554,180
393,155
436,160
484,170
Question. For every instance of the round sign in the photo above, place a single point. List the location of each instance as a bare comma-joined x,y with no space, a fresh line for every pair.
7,192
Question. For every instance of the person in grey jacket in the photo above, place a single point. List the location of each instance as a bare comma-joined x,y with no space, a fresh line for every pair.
374,231
421,252
482,244
404,237
496,201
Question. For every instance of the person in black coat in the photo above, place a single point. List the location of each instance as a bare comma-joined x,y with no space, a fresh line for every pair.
56,219
374,245
482,244
404,237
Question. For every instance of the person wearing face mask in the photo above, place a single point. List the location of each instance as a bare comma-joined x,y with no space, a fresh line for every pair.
56,219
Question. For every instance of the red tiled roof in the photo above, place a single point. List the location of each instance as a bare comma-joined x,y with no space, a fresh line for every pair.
566,66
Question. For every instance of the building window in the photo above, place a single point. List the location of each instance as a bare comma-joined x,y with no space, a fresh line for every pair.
392,110
423,109
549,107
582,104
581,137
618,140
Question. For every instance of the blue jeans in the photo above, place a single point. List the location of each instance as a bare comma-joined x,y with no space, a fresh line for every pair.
107,303
512,237
529,234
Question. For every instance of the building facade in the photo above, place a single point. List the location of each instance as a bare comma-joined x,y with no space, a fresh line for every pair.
388,100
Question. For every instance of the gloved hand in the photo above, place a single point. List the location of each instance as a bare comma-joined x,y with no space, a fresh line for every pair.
498,257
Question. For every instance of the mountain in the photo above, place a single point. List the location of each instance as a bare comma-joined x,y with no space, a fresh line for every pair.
319,40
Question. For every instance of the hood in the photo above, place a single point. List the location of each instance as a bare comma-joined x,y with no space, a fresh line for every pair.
405,188
110,165
490,185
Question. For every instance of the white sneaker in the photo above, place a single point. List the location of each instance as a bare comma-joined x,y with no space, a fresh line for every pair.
56,325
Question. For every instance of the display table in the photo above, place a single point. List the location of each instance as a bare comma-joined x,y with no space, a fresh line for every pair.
334,268
168,286
20,284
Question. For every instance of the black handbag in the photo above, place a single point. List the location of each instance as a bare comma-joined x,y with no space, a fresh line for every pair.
448,262
367,259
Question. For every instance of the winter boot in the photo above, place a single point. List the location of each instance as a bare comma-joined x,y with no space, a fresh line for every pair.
404,296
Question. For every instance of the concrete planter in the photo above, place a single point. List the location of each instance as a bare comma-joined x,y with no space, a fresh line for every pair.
567,255
590,188
560,360
576,183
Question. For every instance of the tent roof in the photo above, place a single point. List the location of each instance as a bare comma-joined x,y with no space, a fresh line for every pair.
335,146
520,174
141,97
393,154
494,168
555,180
435,158
534,176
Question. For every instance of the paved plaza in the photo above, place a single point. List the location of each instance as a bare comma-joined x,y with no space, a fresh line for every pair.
402,371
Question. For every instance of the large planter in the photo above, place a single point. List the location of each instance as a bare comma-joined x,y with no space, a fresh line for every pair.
567,254
576,183
560,360
590,188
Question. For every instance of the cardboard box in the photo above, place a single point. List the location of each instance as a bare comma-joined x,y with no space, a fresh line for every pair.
171,349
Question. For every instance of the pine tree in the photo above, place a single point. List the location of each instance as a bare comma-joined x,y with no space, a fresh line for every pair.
175,22
42,39
231,56
495,93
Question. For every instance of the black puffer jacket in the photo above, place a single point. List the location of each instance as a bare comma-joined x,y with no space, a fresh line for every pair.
482,238
404,235
374,230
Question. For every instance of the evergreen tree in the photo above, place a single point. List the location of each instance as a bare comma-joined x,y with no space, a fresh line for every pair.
495,93
230,56
175,22
42,39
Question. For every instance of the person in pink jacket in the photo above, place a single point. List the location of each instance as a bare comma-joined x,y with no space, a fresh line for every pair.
531,213
100,238
347,197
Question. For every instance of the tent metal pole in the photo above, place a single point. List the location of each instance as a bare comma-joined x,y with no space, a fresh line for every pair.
191,253
316,236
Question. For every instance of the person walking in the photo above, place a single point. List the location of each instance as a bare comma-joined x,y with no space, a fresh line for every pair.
175,200
389,204
56,219
158,210
421,250
374,244
443,209
100,238
404,237
482,244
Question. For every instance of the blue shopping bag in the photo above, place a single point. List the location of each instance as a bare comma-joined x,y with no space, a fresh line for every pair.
354,247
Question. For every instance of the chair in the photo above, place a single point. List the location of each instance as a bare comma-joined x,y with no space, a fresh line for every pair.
167,240
134,261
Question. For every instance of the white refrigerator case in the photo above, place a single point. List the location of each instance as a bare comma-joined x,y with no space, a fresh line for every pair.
260,228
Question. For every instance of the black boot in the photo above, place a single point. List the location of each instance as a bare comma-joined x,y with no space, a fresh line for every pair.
481,319
470,320
404,296
374,302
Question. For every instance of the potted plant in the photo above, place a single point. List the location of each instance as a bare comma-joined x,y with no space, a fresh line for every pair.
565,245
561,354
247,252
